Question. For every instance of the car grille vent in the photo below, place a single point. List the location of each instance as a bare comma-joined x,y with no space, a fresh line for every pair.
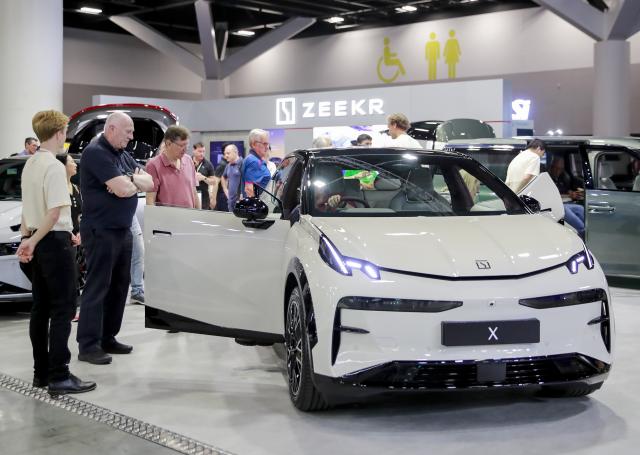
464,374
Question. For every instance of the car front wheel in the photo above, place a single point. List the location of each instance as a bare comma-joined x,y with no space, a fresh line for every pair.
304,394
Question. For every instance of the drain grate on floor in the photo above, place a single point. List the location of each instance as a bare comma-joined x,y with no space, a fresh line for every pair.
130,425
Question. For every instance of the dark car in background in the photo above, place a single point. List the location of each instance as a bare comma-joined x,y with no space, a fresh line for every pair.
149,122
434,134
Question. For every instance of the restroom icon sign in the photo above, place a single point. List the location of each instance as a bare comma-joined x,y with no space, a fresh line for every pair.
285,111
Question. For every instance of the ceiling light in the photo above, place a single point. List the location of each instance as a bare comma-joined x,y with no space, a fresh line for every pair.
406,9
335,20
87,10
244,33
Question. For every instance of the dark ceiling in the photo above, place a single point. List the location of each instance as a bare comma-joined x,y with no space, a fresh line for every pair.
177,19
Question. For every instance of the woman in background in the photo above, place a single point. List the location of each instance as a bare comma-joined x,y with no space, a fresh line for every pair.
76,213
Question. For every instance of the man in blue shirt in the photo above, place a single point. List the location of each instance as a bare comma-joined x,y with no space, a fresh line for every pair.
109,183
255,164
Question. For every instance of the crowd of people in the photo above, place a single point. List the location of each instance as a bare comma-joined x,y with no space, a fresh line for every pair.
94,224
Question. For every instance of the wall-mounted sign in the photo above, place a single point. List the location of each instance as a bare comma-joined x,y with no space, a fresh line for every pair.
520,109
287,108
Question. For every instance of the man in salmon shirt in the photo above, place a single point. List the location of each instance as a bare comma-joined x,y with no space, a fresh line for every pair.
173,172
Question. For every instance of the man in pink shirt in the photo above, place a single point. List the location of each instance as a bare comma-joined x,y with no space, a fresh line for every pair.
173,173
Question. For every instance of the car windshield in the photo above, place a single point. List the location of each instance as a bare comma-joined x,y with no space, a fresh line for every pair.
405,184
10,180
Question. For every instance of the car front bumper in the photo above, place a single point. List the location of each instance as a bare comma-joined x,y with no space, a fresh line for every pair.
390,343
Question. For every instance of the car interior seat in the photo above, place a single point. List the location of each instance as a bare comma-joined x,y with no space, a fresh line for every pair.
384,190
417,188
605,171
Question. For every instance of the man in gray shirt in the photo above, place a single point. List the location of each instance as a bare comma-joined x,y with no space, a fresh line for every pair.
232,175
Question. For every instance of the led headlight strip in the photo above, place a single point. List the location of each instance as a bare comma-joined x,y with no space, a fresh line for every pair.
584,257
406,305
568,299
343,264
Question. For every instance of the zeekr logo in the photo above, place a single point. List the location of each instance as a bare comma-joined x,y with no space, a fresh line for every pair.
286,111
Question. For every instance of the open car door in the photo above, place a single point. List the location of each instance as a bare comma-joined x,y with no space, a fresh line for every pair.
206,272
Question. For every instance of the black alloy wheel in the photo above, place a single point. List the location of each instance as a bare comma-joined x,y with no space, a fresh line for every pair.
302,391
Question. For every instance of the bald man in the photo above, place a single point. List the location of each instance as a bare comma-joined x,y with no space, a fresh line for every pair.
109,183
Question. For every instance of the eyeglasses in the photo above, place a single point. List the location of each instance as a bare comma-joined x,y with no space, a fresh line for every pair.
181,145
266,144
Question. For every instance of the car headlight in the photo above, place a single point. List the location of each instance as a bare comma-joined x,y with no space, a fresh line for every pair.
343,264
584,257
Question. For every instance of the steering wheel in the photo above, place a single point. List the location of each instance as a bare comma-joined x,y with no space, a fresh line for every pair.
345,199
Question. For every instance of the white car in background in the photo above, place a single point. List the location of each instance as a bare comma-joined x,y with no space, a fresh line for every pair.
14,285
404,283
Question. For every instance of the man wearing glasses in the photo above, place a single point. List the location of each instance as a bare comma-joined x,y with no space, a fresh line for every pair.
173,172
255,170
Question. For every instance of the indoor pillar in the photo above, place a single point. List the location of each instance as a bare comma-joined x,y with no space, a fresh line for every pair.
31,75
214,89
611,100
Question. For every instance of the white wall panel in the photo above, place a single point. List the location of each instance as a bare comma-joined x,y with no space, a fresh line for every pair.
497,44
115,60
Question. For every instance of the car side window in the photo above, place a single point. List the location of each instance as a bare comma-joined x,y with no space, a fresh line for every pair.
617,170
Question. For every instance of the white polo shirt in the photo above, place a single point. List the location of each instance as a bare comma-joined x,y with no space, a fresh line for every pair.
526,163
404,140
44,187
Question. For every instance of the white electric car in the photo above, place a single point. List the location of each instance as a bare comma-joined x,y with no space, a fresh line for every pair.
381,273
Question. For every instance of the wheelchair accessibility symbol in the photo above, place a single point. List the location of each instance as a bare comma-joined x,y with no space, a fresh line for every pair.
389,65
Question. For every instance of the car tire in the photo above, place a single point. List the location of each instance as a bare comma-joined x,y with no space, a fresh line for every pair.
302,391
568,391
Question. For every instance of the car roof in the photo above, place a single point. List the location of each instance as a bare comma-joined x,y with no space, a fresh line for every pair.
521,141
354,151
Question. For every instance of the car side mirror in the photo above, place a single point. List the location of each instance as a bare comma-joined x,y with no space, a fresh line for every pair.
253,211
531,202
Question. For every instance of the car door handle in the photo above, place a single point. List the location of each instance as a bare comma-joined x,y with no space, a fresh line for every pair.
606,208
162,233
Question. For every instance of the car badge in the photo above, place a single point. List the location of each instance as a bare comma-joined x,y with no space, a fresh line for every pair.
482,264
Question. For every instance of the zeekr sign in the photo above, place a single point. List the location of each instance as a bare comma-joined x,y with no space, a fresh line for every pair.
287,109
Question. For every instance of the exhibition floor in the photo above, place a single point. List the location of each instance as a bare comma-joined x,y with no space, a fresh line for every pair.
234,399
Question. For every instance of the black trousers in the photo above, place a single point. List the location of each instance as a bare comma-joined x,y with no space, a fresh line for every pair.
54,300
108,259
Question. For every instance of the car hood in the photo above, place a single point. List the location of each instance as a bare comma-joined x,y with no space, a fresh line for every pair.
454,247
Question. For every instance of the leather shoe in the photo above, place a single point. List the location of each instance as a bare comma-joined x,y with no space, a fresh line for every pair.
71,385
96,357
39,382
117,348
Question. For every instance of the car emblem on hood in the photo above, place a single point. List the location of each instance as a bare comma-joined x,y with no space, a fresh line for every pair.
482,264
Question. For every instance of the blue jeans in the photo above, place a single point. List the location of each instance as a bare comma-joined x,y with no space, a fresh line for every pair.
137,259
574,216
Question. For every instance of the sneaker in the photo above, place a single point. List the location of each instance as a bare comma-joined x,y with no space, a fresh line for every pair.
137,298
